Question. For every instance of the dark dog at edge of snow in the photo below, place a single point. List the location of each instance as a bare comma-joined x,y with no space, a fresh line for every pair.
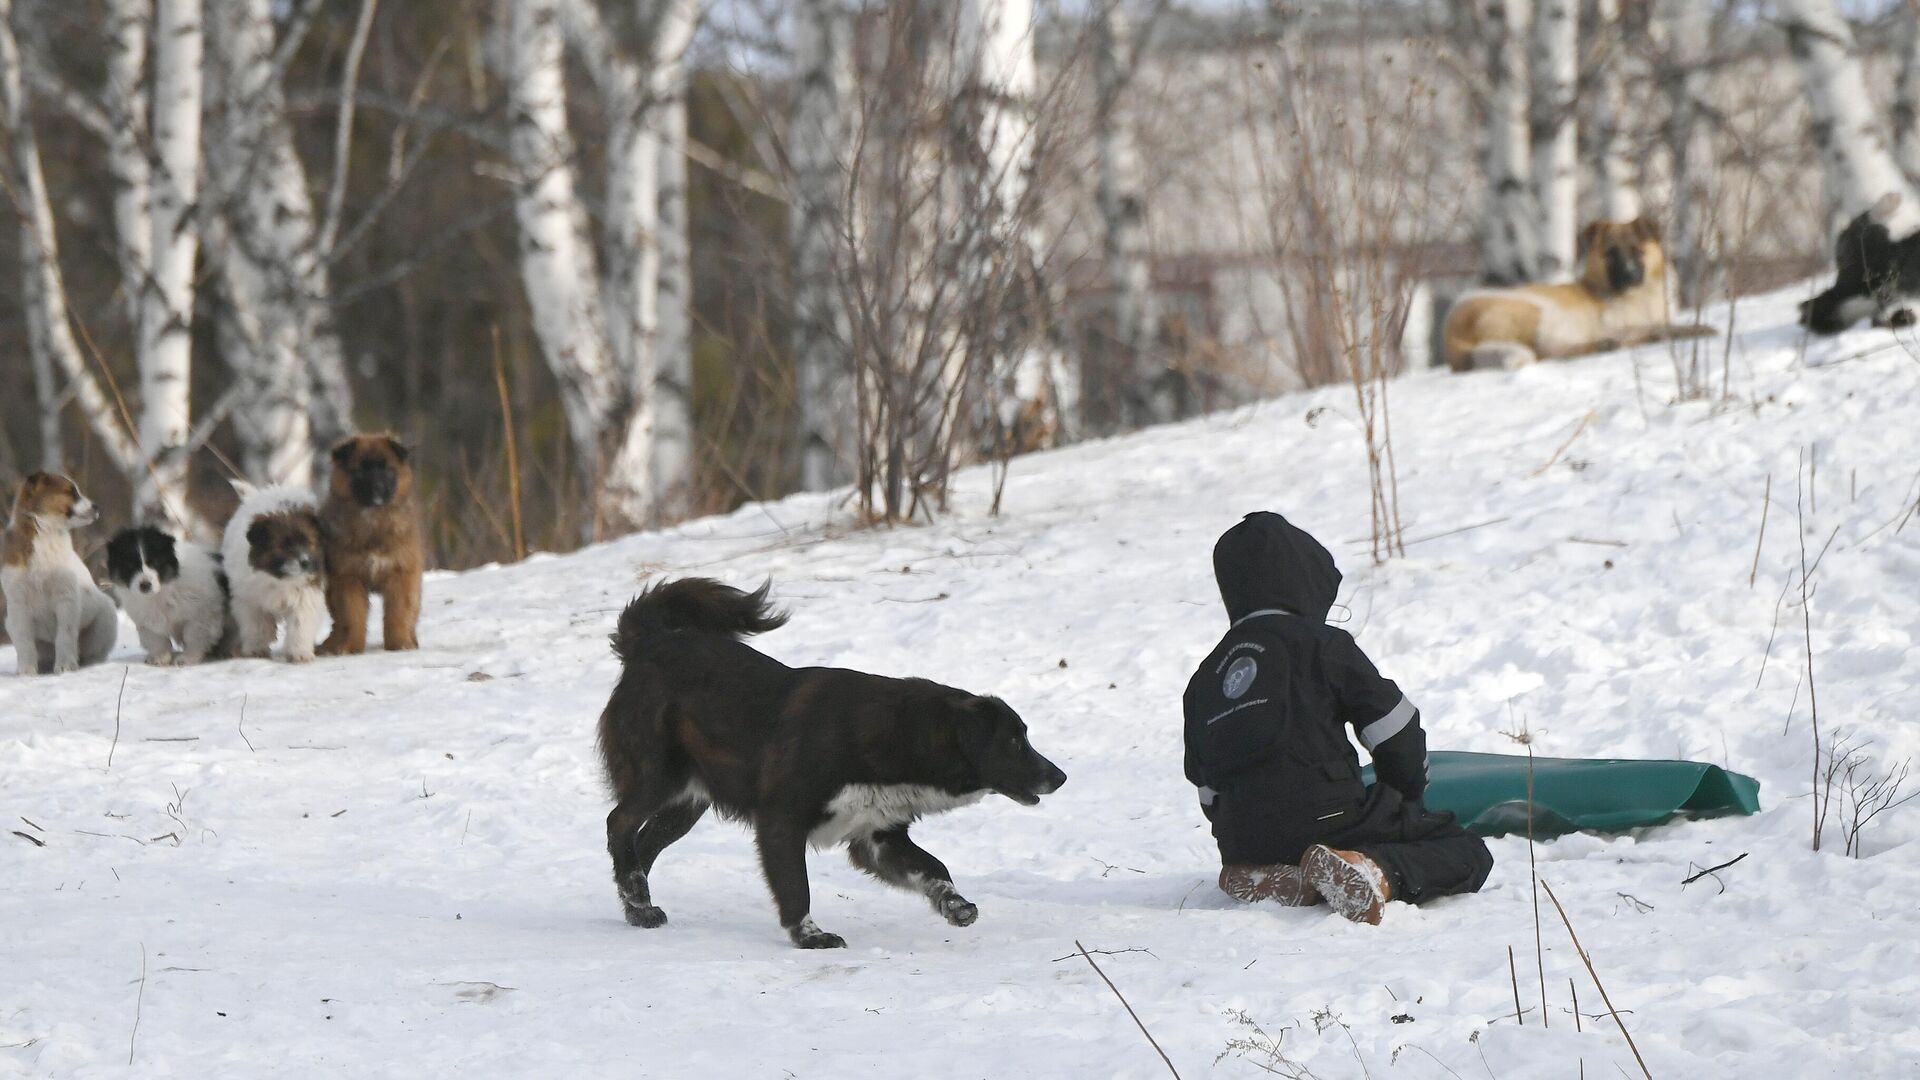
1875,274
803,755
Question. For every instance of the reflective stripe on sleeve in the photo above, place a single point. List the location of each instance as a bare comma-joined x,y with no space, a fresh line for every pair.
1207,795
1387,726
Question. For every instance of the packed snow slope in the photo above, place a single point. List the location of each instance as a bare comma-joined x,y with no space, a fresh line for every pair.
394,865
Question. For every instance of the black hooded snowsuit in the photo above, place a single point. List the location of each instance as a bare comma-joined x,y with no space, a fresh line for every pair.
1266,720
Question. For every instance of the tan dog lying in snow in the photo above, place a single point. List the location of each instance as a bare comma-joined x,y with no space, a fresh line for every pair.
1619,301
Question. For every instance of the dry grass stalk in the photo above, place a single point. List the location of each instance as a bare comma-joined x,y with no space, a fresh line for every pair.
513,450
1595,976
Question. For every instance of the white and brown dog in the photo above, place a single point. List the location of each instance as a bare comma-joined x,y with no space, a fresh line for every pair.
1619,301
276,568
174,590
58,618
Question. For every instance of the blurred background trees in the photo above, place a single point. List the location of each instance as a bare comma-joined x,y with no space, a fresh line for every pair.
696,253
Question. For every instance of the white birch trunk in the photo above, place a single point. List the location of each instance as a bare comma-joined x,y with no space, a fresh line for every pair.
1132,375
612,436
1615,197
269,256
165,349
818,154
1509,246
1906,95
672,388
1687,26
273,423
1556,184
1856,158
129,30
43,292
996,50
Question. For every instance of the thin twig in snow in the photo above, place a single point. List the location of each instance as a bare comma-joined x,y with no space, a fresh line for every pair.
1766,503
116,716
1595,976
1129,1008
139,999
240,725
1696,877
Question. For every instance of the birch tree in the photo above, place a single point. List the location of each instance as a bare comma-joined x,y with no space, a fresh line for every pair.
264,234
608,416
1509,244
1129,371
819,153
1856,157
1687,27
1556,188
43,292
1608,163
998,84
672,389
165,350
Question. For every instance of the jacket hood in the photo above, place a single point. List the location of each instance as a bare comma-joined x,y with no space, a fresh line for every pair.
1268,562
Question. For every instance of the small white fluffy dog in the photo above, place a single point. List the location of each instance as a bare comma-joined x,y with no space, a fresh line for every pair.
173,590
58,618
276,568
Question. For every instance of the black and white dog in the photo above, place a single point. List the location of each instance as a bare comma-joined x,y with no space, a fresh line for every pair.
807,756
174,590
1875,275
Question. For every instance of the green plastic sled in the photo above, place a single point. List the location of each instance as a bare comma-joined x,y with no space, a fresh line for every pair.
1489,792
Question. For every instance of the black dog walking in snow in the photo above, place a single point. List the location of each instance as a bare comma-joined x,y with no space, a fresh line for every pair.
1266,744
805,756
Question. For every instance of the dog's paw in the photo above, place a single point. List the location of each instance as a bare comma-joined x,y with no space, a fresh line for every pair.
332,648
160,660
648,916
808,936
61,667
298,658
406,644
957,910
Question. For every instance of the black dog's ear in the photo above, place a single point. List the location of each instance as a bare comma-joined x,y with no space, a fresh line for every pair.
256,533
400,451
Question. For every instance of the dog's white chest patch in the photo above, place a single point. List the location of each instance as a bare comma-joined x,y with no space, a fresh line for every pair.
864,809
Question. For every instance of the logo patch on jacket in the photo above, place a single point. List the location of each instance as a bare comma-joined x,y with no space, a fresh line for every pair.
1239,678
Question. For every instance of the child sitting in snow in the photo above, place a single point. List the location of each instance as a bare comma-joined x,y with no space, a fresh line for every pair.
1266,744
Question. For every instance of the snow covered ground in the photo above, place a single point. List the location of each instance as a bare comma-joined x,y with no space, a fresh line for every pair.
394,865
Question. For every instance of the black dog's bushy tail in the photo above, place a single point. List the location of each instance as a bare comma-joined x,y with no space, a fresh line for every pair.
694,604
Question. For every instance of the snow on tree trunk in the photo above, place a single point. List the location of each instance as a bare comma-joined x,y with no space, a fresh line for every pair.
1683,80
1608,163
268,256
43,292
165,348
818,155
1856,159
1556,186
1906,95
1129,379
612,435
1509,246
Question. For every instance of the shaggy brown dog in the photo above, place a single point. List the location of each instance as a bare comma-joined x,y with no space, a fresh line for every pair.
1619,301
373,544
